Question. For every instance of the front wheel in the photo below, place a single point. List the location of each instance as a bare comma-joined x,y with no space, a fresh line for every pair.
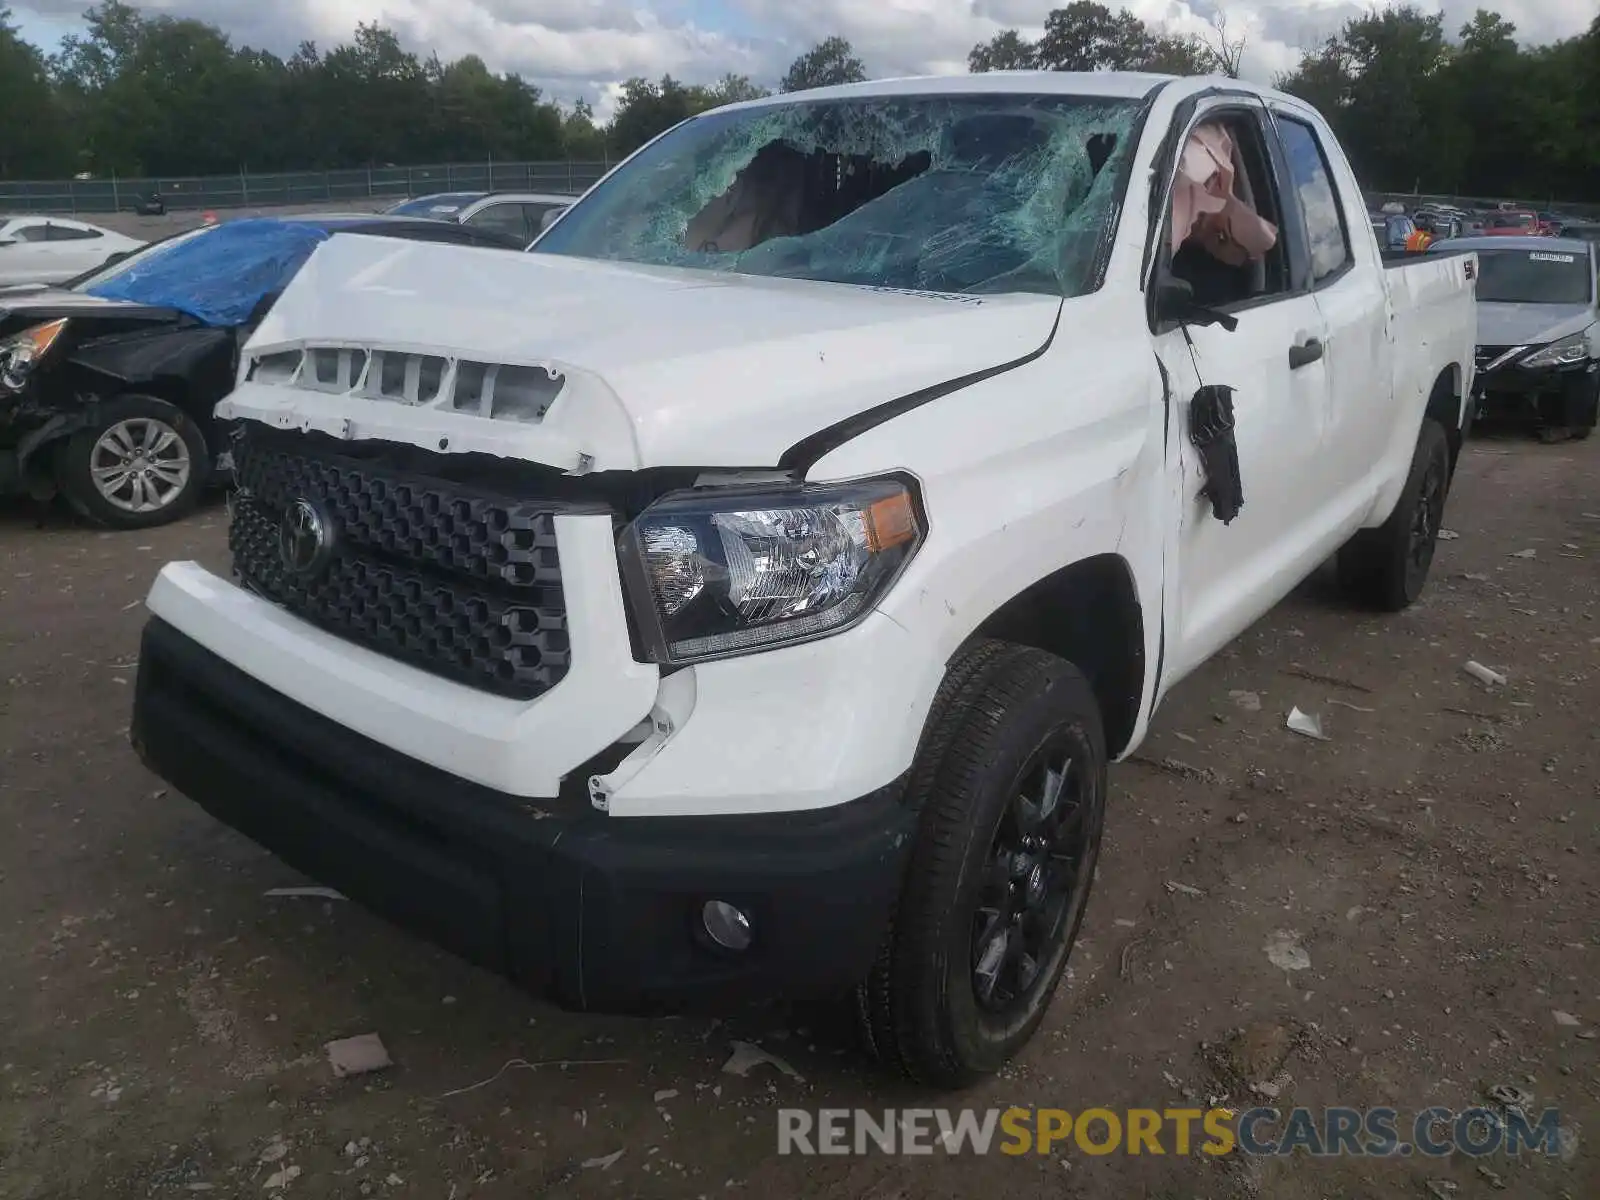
141,462
1585,410
1011,782
1386,568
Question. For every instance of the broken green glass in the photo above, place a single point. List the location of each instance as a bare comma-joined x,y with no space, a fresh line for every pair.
947,193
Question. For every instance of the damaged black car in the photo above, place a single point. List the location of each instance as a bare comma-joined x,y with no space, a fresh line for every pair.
108,382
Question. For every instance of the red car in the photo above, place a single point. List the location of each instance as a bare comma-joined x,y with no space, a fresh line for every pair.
1513,224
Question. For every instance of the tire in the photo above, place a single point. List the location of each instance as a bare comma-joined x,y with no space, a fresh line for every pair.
156,490
952,997
1387,568
1586,413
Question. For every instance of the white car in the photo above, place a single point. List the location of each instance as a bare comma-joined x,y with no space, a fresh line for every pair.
522,214
744,592
44,249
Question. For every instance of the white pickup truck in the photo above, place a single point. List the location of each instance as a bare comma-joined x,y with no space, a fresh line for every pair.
743,593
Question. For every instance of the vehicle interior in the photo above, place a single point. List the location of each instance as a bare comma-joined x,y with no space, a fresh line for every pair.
520,219
785,193
1223,216
932,216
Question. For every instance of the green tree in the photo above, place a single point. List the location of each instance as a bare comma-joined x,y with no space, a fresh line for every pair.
1086,36
1578,60
1383,82
31,141
100,91
1491,96
647,109
1008,50
377,98
732,89
830,62
581,139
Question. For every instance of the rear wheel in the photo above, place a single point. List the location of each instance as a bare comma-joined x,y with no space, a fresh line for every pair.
1387,567
142,462
1011,782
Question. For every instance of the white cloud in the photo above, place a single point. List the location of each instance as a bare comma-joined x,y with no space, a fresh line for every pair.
578,48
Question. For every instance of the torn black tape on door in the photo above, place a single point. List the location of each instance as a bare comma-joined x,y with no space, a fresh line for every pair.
1211,432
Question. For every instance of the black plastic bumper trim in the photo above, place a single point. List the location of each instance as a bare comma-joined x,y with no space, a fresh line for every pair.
598,912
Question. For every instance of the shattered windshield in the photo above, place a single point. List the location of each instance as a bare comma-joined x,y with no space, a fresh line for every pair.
961,194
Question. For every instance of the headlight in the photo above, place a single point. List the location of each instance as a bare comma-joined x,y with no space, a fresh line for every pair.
20,353
1569,350
713,574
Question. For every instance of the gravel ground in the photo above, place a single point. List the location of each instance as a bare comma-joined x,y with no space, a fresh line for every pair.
162,1021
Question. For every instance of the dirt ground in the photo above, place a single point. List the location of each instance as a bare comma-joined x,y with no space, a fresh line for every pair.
162,1021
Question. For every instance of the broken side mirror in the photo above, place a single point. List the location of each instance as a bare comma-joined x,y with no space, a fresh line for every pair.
1175,303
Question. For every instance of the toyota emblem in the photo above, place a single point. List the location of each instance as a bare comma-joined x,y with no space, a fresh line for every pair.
305,539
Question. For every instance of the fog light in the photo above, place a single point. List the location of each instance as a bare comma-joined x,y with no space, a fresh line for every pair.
726,925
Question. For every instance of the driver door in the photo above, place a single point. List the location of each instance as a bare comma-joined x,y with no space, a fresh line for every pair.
1221,578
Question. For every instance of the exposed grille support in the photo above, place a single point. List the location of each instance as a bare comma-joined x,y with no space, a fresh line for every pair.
498,391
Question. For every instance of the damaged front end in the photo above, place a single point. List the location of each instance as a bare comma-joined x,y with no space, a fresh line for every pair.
61,354
28,418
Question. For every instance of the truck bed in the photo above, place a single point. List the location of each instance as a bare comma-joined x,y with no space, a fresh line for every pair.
1434,316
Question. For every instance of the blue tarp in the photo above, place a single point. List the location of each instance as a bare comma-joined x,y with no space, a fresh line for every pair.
219,276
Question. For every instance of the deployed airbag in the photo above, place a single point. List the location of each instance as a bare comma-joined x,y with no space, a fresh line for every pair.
1207,204
221,276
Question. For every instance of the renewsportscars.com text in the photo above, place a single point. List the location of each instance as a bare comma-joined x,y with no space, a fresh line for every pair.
1330,1132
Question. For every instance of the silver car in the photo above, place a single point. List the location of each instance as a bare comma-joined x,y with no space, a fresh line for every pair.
1538,330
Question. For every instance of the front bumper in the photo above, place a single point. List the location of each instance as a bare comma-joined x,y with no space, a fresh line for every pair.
1514,388
600,912
801,727
26,425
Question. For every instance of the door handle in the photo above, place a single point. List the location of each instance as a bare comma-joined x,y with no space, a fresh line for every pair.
1306,353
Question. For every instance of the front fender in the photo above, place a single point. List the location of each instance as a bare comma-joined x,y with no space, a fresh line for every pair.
1024,474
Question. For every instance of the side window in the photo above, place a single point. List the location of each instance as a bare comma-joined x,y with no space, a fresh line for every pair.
503,218
71,233
31,233
531,215
1313,185
1224,215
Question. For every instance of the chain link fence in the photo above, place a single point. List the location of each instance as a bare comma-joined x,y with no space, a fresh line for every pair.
246,190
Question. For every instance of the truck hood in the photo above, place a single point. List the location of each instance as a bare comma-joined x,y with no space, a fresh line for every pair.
655,366
1530,324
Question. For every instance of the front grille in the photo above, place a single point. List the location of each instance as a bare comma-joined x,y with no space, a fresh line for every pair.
460,582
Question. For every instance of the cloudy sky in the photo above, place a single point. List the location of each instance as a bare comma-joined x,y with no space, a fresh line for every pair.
578,48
